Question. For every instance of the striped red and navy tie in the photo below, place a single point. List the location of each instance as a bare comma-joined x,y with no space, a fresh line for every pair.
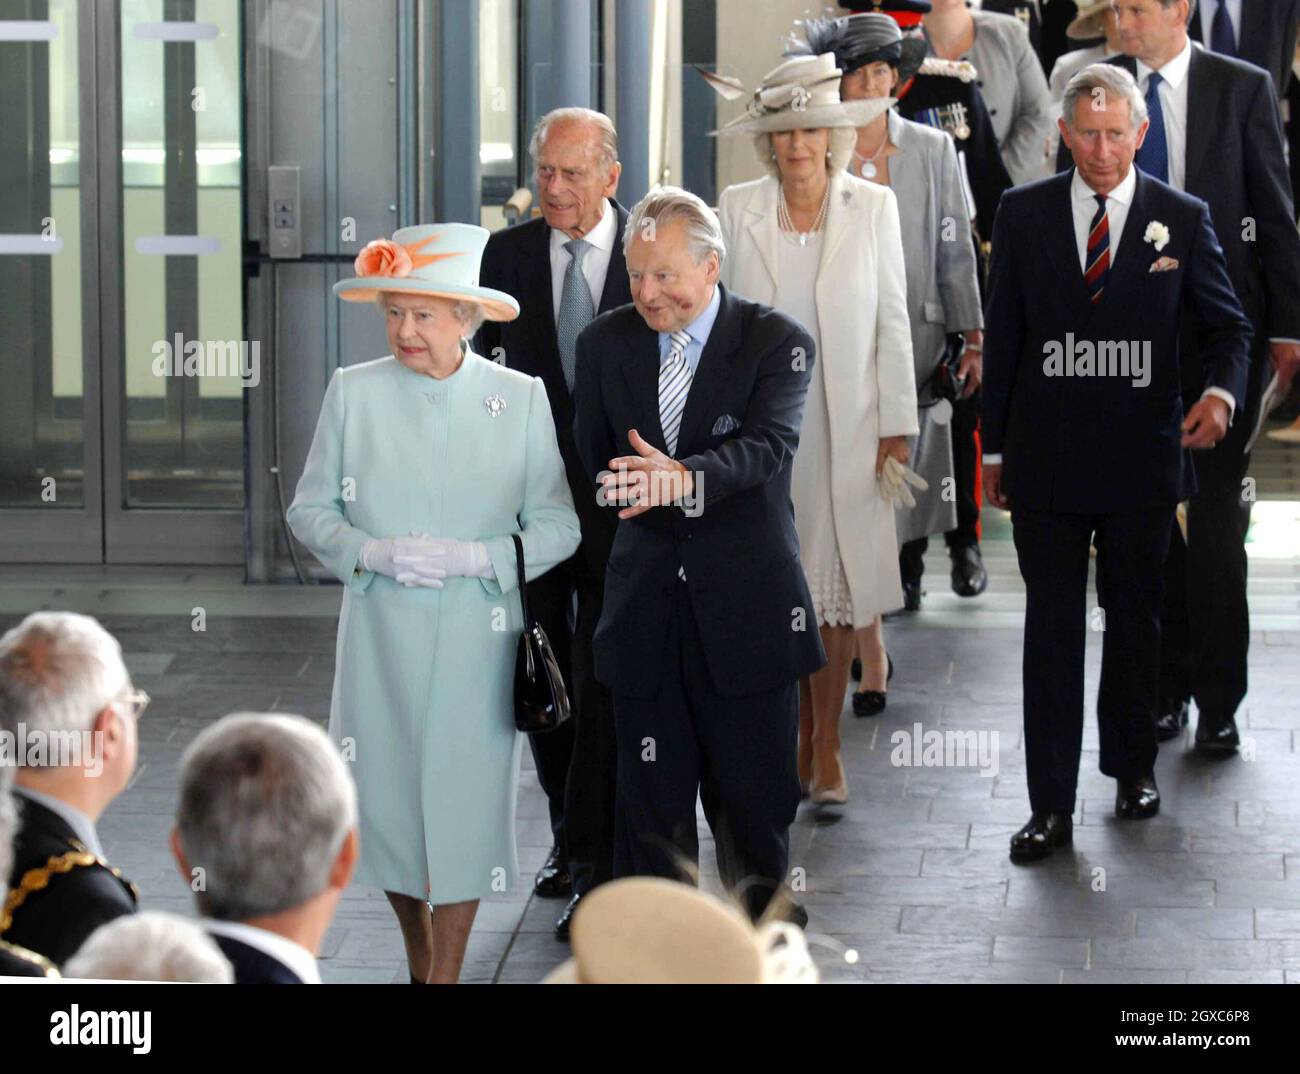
1098,270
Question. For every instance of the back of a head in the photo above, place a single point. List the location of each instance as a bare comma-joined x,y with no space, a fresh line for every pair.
265,805
150,946
57,671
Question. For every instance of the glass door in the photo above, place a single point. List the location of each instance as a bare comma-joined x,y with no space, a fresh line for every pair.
122,349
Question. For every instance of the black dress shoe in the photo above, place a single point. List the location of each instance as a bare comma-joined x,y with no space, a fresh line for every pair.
969,578
566,918
872,702
553,880
912,595
1042,835
1216,734
1172,718
1137,801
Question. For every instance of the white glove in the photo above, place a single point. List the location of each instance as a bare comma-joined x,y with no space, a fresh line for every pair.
428,561
894,479
377,555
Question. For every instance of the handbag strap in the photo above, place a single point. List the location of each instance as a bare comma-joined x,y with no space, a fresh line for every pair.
523,589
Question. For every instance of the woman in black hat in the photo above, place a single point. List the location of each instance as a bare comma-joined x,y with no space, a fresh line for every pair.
919,164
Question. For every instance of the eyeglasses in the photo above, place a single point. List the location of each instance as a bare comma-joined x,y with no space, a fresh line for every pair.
137,701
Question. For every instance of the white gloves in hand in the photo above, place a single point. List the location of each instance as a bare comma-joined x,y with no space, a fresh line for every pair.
894,479
377,555
429,561
421,560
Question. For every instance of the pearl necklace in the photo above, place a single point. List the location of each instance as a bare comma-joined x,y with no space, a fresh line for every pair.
786,222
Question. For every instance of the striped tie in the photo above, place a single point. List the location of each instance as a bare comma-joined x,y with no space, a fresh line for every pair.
1098,270
674,384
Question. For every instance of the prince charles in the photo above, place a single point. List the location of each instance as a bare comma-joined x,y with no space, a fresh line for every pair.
1085,437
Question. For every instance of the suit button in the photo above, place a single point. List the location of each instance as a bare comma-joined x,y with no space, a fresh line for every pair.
993,111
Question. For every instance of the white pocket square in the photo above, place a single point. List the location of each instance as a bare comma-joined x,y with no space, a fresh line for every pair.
724,425
1164,264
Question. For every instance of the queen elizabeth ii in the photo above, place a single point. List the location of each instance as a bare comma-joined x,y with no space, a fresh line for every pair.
424,464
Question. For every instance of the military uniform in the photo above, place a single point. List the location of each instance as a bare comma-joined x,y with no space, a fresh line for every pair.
943,94
19,962
59,891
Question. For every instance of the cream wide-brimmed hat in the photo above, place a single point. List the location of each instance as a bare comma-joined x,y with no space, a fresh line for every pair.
647,930
802,93
429,259
1087,23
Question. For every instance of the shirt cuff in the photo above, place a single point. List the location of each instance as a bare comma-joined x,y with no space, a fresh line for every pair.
1226,396
1282,339
993,460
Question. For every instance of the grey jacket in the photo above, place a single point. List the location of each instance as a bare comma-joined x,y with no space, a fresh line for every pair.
942,292
1015,91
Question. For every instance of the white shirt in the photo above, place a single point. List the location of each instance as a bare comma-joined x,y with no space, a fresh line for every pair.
294,955
1173,105
82,826
1210,8
594,266
1083,201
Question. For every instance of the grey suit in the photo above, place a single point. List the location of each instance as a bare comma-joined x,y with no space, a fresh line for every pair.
1015,89
942,296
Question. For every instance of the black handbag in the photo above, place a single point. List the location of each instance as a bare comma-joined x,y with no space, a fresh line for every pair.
541,701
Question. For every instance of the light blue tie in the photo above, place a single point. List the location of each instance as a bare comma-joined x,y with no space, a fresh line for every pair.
576,308
674,386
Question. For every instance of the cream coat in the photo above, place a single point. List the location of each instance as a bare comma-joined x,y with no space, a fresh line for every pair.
866,356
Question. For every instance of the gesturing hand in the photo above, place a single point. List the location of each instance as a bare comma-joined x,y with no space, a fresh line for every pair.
645,480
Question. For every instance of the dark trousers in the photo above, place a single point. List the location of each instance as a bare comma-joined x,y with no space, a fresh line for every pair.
576,763
1206,615
736,753
1053,551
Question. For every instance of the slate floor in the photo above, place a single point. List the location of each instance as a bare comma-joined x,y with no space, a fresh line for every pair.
909,882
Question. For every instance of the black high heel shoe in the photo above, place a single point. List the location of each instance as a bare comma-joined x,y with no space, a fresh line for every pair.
872,702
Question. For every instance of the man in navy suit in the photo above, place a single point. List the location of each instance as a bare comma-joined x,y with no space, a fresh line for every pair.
565,267
1216,133
688,409
1085,434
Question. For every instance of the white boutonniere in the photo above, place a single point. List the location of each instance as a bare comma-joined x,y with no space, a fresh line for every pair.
1158,234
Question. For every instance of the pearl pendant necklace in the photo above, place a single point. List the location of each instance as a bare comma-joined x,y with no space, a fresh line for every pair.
786,222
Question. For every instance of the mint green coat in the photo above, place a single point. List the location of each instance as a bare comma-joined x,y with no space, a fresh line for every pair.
423,677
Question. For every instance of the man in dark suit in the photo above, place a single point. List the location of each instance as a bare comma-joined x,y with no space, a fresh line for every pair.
1262,32
266,837
53,666
1216,133
564,269
1086,436
688,409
